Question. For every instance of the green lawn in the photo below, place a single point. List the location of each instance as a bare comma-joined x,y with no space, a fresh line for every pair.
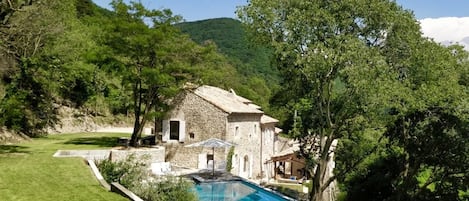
29,172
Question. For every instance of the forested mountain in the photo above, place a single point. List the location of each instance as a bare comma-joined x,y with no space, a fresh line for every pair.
252,61
231,39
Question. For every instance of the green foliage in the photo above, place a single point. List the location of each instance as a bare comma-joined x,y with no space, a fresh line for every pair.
166,189
231,40
328,54
229,159
127,172
256,77
133,174
350,68
27,105
129,61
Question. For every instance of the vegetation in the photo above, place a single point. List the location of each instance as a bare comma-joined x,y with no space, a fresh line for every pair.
260,79
29,172
229,159
356,71
360,72
129,61
133,174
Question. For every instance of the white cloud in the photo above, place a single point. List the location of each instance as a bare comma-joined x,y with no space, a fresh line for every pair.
447,30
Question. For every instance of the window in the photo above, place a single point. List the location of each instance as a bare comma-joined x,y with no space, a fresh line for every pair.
210,158
174,130
191,135
235,159
246,163
254,132
236,131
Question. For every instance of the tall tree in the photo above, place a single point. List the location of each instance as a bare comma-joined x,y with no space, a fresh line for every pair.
330,54
144,50
427,137
27,28
159,59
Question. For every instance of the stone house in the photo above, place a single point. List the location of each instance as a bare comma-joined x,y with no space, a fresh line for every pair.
210,112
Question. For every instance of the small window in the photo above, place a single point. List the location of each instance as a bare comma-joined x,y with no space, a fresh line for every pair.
246,163
209,158
191,135
235,159
174,130
236,131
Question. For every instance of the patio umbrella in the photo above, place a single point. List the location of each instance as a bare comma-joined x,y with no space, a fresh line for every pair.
213,143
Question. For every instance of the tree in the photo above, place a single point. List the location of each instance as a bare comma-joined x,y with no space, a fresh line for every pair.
331,55
27,28
159,60
145,50
422,154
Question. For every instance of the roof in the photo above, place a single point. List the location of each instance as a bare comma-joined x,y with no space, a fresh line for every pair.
226,101
290,150
289,154
265,119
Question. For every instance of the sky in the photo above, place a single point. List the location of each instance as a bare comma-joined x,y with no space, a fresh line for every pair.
446,21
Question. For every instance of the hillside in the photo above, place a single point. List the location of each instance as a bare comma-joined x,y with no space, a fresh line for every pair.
231,40
105,63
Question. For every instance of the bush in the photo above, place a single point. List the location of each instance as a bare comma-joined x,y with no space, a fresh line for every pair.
126,172
165,189
134,176
229,160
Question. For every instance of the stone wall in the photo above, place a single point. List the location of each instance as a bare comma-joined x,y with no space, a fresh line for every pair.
268,144
248,144
150,155
203,121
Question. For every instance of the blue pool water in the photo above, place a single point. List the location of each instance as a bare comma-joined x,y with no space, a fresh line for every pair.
233,191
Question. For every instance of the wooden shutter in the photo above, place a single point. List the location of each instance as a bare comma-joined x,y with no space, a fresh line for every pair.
182,131
202,163
165,131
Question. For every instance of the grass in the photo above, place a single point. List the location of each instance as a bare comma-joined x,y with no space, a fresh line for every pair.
29,172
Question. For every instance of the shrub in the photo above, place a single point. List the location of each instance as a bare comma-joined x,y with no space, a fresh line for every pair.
134,175
127,172
229,160
166,189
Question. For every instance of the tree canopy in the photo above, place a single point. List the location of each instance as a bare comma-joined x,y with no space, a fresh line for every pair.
127,61
349,69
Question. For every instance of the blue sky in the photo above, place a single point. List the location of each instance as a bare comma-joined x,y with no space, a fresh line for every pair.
193,10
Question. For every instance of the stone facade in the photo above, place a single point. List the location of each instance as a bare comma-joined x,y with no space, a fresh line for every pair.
202,121
244,130
200,118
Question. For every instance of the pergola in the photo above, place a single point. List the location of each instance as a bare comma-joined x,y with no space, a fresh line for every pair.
288,158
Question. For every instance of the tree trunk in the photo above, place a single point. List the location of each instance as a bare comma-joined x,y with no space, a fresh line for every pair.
137,111
140,124
135,133
316,193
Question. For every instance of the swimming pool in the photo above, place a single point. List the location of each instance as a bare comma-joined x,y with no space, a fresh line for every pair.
233,191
